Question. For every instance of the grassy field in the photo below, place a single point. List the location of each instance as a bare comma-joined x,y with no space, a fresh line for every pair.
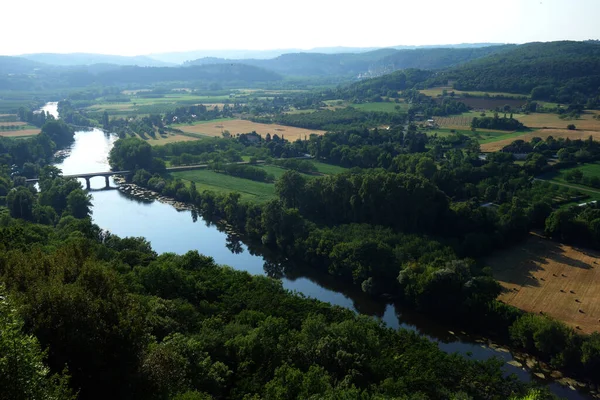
173,99
381,107
541,133
242,126
482,135
202,122
250,190
221,183
328,169
540,275
589,170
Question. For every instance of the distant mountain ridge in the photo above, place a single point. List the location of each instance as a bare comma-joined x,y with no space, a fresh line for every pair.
366,64
564,71
76,59
238,54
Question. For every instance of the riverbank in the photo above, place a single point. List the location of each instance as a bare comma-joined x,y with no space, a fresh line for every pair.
514,358
172,231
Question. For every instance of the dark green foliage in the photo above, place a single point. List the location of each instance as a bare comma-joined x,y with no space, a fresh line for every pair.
20,202
564,72
131,154
505,124
59,132
244,171
23,375
297,165
332,120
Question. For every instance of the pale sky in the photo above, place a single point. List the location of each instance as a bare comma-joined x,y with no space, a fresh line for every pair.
135,27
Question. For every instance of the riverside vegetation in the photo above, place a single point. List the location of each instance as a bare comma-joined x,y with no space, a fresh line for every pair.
409,218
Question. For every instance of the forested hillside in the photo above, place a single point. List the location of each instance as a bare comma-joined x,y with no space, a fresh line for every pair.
434,58
52,77
369,63
560,71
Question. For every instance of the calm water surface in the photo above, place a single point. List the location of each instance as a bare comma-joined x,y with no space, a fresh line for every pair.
170,230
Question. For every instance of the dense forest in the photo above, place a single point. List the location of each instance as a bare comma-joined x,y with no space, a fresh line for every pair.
88,314
564,72
421,209
370,63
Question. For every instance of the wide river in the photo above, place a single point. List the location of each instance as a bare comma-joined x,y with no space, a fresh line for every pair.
169,230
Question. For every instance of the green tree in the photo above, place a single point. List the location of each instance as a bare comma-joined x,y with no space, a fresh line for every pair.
79,203
20,203
289,188
23,375
131,154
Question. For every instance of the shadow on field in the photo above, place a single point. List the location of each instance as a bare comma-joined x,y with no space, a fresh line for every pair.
518,264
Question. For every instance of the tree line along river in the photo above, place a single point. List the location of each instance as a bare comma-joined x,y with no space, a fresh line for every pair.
170,230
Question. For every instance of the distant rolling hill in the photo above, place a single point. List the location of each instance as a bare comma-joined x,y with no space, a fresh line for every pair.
75,59
369,63
563,71
180,57
18,65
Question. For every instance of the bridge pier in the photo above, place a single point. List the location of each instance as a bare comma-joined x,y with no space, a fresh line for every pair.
107,182
87,183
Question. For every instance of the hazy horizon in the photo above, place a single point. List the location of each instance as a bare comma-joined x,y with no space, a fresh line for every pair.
133,28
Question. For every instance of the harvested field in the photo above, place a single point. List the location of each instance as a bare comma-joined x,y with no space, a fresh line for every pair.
160,140
460,121
24,132
242,126
561,281
542,133
537,120
438,91
18,123
491,104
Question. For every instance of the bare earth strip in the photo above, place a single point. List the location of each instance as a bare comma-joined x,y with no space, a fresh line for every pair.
19,123
242,126
542,133
24,132
561,281
160,140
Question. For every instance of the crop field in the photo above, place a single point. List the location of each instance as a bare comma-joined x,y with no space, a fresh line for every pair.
558,280
18,123
541,133
438,91
492,104
160,140
586,122
20,133
459,121
242,126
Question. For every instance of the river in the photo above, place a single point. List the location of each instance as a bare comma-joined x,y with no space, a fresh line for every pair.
169,230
